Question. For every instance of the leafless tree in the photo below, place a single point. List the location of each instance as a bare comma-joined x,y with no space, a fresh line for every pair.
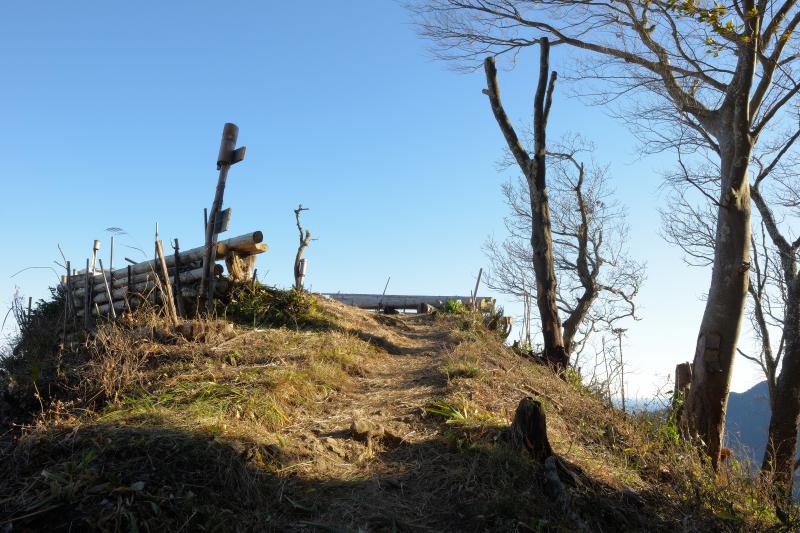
305,239
690,74
597,281
534,168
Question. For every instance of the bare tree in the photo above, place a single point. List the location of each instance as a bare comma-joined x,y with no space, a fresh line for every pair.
535,171
597,281
706,75
305,239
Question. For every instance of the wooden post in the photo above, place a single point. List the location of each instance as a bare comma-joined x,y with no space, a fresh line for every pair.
108,291
228,155
111,264
166,286
475,292
130,281
69,305
95,249
87,309
178,288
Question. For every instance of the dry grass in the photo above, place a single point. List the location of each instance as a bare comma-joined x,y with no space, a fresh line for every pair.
221,428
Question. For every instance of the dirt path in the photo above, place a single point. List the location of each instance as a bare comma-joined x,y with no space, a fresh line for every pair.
366,439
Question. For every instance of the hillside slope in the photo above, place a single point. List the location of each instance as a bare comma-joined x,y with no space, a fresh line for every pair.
347,421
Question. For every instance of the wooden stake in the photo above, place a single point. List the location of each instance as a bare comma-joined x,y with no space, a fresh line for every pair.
88,298
111,265
166,288
108,290
130,281
178,288
475,292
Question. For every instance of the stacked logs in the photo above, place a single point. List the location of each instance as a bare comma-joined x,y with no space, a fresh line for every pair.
122,288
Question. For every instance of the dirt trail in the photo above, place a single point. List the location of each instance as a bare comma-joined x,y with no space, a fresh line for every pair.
368,438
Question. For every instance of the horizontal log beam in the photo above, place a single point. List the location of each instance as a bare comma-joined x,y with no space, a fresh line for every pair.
147,284
249,243
399,301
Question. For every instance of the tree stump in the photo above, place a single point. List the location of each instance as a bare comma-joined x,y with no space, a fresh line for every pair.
529,429
240,266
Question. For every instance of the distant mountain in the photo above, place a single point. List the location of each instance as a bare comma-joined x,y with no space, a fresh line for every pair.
747,425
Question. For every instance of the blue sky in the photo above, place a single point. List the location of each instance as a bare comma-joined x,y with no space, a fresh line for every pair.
112,113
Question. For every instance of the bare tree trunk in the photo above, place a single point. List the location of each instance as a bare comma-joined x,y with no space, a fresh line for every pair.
535,172
304,240
704,411
781,450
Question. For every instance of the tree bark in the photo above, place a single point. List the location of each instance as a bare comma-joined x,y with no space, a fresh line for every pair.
781,450
535,171
706,403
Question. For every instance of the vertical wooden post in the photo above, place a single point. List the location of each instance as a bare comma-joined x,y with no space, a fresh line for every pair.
475,292
178,287
87,309
95,249
69,307
169,302
111,310
111,265
129,288
228,155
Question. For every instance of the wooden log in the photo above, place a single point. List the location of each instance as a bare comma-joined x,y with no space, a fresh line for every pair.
120,305
137,279
149,284
249,243
398,301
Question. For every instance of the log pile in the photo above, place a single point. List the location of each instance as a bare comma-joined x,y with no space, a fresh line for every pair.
111,291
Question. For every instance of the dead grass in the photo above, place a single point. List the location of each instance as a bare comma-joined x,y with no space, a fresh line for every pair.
218,428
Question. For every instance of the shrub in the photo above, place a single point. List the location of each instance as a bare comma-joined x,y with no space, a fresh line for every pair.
259,305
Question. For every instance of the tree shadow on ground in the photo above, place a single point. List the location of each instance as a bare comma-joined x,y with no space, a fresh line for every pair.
151,476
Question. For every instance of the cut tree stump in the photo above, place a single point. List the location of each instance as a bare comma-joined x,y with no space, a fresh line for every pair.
240,266
529,429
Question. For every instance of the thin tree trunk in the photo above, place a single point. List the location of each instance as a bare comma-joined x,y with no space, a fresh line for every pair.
535,170
706,403
781,450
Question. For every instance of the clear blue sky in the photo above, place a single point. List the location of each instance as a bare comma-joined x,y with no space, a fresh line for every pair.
111,116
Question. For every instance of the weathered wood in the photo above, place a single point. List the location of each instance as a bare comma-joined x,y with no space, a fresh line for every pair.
167,286
227,156
529,429
108,291
475,291
399,301
240,266
249,243
683,378
178,280
148,284
86,299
